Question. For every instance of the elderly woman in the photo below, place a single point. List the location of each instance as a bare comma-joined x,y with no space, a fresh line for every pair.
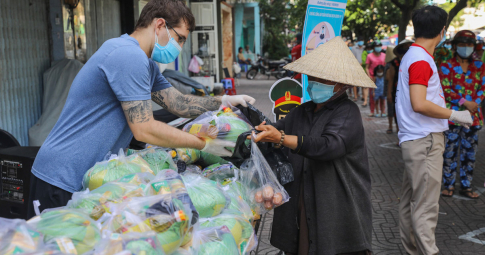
330,208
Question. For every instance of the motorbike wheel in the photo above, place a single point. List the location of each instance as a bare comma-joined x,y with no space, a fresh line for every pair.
251,74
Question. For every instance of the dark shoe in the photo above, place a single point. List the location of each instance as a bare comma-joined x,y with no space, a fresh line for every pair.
389,131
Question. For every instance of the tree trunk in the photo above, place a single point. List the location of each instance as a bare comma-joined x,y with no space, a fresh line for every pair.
460,5
404,22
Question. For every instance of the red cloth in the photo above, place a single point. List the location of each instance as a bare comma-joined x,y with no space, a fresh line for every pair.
419,73
296,54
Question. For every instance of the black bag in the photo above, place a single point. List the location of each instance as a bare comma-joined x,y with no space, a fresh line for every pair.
277,160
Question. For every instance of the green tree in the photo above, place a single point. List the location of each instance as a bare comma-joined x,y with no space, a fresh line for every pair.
455,7
406,8
369,18
297,15
275,16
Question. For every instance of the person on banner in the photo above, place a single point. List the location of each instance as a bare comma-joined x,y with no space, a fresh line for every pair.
423,117
377,57
330,196
392,75
463,82
357,50
296,54
369,48
110,102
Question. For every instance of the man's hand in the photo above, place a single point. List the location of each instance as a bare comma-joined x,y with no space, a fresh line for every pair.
471,106
218,147
238,100
461,117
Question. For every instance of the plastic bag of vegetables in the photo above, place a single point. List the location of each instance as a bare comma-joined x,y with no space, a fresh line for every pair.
114,168
262,183
95,203
215,240
237,205
130,243
227,124
220,173
170,182
70,229
165,215
17,237
158,158
241,229
206,195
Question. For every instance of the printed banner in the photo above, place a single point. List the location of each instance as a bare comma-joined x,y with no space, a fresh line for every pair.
323,21
285,94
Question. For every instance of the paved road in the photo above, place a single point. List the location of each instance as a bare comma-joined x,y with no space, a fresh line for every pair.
461,225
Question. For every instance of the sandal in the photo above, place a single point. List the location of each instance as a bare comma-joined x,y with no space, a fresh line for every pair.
389,131
384,115
468,193
371,115
364,105
451,192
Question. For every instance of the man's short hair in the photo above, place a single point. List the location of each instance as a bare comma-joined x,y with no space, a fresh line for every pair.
429,21
173,11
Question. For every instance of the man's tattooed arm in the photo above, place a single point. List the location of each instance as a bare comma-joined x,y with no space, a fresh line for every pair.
186,106
137,111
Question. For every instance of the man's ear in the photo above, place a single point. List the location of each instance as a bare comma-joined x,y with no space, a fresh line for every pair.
159,23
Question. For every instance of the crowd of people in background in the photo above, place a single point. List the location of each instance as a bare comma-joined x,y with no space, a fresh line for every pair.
459,61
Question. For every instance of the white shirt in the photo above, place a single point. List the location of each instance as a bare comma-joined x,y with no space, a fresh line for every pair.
418,67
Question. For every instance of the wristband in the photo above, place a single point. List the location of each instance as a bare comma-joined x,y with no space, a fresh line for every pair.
462,101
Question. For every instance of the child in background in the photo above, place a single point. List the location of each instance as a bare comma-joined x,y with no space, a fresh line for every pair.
379,96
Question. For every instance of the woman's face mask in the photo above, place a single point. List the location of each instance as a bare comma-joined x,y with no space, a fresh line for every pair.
380,74
320,92
464,52
378,49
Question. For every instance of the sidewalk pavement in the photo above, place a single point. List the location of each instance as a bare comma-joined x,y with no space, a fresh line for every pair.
461,224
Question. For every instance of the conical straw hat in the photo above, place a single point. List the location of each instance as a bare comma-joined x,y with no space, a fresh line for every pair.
335,62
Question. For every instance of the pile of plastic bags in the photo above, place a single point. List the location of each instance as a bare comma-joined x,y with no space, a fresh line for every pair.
142,202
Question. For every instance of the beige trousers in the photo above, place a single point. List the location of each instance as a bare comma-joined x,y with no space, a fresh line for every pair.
418,208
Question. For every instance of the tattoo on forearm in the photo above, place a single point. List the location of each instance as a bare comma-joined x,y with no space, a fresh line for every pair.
187,106
137,111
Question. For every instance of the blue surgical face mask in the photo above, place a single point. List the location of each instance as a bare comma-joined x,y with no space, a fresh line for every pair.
448,46
378,49
168,53
319,92
483,48
370,51
464,52
443,39
360,43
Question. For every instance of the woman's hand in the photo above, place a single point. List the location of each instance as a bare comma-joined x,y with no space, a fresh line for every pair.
268,134
471,106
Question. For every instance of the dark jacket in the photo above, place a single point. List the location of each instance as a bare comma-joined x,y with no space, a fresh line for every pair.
331,162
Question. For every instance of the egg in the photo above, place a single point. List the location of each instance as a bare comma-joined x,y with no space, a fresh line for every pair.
268,205
277,199
258,197
268,193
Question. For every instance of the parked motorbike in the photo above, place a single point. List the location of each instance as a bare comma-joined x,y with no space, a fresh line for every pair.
268,68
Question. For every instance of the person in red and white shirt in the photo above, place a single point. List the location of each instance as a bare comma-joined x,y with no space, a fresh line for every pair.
296,54
422,117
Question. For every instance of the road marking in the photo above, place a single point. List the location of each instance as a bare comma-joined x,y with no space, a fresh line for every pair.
470,236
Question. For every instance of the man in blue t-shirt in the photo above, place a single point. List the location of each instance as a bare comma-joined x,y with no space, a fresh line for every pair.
110,102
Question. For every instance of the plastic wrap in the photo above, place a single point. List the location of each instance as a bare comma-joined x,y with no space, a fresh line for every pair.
140,179
170,182
95,203
207,159
277,160
241,229
262,183
163,214
216,240
237,205
208,198
227,123
158,158
70,229
220,173
17,237
187,155
130,244
113,169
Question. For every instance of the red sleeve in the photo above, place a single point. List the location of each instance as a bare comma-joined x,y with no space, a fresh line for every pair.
419,73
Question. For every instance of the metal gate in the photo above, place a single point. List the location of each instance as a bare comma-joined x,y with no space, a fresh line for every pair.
24,56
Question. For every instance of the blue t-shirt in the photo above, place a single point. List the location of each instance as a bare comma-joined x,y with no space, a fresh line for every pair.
92,122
